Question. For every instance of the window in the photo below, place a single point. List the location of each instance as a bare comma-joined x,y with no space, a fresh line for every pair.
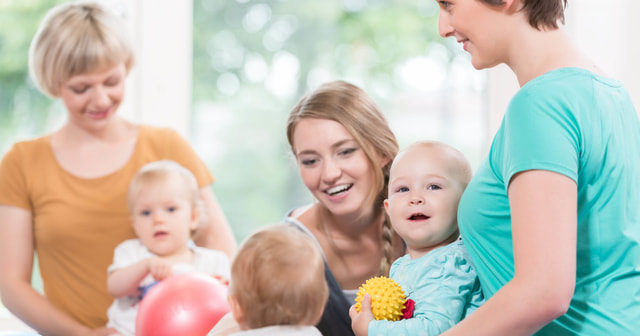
24,111
225,74
253,60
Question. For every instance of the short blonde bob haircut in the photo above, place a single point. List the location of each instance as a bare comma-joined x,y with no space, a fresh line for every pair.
277,278
77,38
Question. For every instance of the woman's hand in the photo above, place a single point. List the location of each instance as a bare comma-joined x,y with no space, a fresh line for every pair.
214,231
104,332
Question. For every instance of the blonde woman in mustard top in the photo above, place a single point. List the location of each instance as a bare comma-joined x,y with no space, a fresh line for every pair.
62,196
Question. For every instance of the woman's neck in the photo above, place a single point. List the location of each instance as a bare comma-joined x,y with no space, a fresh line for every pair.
119,130
536,52
353,226
352,244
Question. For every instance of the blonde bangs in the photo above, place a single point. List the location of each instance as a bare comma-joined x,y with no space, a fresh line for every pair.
76,40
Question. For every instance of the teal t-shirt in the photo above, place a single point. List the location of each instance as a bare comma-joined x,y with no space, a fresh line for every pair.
583,126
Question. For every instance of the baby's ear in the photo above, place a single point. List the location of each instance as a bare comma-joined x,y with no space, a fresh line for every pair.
195,218
386,205
236,310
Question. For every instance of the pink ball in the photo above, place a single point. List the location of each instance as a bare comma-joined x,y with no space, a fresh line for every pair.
184,304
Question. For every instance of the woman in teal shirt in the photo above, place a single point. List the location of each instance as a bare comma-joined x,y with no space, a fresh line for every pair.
551,218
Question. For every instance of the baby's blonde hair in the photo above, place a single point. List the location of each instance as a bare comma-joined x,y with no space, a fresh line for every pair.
159,171
77,38
277,278
454,158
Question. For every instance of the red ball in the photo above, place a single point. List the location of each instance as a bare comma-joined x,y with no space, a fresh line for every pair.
184,304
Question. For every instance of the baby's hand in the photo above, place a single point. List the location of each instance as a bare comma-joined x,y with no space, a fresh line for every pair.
360,321
222,279
159,268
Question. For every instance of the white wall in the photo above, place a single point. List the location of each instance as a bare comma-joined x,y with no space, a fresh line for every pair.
608,32
159,88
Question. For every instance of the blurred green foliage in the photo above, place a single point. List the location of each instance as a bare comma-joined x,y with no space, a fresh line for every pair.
362,41
374,38
252,60
24,111
239,119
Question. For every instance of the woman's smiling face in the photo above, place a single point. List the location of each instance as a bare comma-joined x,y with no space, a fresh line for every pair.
333,166
92,99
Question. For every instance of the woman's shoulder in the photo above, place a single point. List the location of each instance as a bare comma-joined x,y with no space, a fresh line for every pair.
34,144
29,151
564,84
303,217
161,140
296,213
306,216
148,132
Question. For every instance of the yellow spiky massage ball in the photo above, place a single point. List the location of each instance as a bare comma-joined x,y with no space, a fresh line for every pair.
387,298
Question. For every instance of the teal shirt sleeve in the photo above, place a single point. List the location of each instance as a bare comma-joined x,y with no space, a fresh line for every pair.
444,287
541,133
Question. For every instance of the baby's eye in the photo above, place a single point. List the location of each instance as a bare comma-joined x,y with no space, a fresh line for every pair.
433,187
402,189
171,209
145,213
444,4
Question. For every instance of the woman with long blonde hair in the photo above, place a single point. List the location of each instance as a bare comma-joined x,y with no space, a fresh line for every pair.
344,148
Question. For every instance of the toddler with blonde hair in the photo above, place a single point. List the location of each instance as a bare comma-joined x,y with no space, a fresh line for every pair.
165,212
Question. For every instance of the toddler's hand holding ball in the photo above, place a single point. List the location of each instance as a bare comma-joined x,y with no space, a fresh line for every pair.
379,298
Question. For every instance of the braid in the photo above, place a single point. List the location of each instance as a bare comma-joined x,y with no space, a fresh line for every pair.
388,251
387,247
